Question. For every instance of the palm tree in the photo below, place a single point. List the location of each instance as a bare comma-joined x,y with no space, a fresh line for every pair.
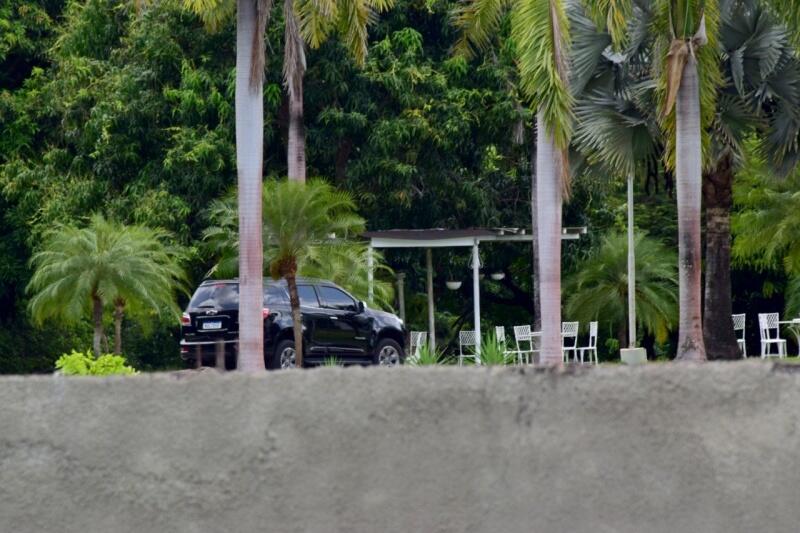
540,32
299,221
598,289
759,97
81,270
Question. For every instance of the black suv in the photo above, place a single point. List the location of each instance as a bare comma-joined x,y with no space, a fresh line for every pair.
335,326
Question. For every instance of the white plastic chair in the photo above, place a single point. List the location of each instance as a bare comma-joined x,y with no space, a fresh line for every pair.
418,339
522,334
592,347
767,322
466,339
569,339
738,326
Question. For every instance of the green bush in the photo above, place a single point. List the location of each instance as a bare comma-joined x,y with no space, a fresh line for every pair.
427,357
84,364
493,352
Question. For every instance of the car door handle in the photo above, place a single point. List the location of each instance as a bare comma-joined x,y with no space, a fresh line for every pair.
334,317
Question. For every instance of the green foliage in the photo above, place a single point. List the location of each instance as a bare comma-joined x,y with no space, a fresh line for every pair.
84,364
493,352
598,290
768,219
426,357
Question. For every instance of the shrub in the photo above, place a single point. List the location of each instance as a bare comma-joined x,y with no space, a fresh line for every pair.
84,364
493,352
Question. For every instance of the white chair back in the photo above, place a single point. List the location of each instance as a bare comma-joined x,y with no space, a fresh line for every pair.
569,334
738,325
766,323
418,338
466,338
592,334
500,334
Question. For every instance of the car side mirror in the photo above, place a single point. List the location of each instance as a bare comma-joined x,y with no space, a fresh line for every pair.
361,307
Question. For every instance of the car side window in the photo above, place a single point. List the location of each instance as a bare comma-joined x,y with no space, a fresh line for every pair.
307,295
336,299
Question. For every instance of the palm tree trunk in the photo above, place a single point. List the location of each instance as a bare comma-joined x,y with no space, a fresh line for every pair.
297,318
119,310
718,333
249,158
294,67
537,310
97,318
548,218
296,151
688,169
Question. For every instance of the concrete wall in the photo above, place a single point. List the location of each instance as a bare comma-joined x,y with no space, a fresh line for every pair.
656,449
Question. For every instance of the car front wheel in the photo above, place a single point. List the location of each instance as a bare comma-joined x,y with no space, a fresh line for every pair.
284,357
387,353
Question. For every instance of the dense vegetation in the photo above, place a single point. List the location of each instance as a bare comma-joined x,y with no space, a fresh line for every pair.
129,114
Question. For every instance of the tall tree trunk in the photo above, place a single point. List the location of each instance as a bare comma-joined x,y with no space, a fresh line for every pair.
718,333
296,151
297,318
548,218
688,167
537,307
97,318
294,68
119,311
249,160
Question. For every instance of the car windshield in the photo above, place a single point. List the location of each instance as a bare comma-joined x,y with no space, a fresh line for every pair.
216,295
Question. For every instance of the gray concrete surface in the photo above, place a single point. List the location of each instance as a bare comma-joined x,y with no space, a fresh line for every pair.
660,448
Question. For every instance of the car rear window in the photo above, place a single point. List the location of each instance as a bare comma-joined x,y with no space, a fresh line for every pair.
216,295
275,295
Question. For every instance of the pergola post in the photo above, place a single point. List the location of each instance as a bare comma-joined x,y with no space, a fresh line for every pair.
370,275
431,322
401,299
476,296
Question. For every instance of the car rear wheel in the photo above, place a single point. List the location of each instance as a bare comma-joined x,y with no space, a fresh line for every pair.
285,356
387,353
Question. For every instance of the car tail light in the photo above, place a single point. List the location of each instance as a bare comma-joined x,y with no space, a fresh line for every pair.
184,349
186,320
264,313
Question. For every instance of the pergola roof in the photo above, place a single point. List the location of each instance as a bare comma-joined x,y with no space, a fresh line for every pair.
442,238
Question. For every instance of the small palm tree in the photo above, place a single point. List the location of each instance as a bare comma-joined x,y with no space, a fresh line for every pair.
82,270
299,221
599,288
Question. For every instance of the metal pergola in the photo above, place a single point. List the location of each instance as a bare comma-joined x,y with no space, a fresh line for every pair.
451,238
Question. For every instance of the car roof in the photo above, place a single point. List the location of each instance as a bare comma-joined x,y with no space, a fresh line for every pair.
267,281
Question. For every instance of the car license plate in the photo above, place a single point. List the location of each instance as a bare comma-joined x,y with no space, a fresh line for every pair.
216,324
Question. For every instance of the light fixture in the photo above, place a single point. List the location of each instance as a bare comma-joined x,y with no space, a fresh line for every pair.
497,276
453,285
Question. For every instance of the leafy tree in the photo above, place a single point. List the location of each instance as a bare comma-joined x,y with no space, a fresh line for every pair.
81,270
598,289
299,219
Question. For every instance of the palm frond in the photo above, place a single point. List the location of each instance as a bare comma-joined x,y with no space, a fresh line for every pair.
540,30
